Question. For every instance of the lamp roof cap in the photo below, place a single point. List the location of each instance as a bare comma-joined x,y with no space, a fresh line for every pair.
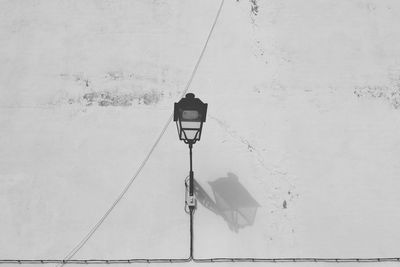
190,95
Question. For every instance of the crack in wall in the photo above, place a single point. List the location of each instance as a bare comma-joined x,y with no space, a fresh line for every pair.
250,147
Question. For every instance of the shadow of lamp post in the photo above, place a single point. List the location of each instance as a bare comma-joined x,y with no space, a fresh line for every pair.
234,202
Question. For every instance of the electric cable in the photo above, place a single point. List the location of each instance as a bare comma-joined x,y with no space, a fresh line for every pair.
275,260
210,260
68,258
126,188
186,208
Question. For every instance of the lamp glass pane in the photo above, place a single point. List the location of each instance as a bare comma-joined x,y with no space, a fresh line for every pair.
191,124
190,115
190,134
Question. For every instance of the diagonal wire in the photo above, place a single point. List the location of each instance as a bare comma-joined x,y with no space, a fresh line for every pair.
126,188
67,259
204,49
118,199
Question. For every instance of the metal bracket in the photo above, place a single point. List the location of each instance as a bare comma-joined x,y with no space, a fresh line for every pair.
191,201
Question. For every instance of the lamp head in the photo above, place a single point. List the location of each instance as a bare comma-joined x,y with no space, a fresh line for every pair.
189,115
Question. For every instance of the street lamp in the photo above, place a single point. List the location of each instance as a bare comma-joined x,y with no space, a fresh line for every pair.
189,115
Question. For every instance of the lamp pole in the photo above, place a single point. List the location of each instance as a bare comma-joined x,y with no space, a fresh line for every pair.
189,115
191,172
191,197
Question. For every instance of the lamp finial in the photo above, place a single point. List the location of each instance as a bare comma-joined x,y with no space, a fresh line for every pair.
190,95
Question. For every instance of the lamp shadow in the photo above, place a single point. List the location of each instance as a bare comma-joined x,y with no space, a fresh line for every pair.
232,201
